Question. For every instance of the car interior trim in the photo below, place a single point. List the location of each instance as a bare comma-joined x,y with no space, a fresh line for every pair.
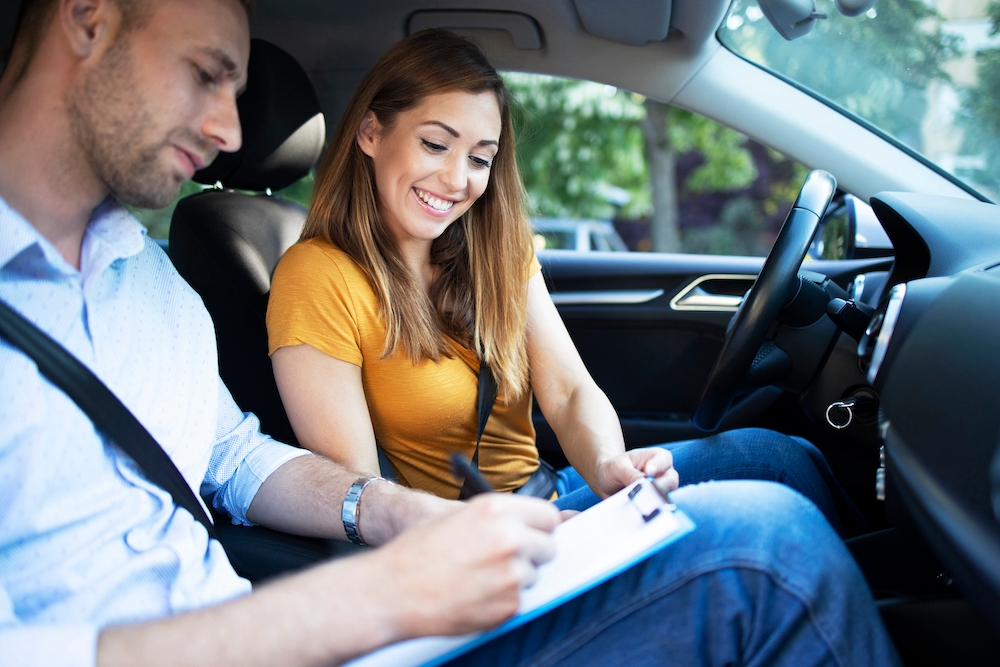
964,543
695,297
896,296
523,29
623,297
636,22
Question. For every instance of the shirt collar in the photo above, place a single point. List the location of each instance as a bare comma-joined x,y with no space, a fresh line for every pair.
112,233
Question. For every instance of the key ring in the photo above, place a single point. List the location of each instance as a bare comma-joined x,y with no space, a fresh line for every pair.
847,405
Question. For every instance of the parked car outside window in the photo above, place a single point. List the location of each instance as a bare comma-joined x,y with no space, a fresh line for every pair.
579,235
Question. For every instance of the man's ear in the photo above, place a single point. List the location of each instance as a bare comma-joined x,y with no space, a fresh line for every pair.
87,24
368,134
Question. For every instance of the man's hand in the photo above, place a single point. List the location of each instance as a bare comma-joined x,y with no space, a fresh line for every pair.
463,572
616,473
455,573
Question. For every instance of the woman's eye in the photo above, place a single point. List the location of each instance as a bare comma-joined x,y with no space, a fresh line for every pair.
431,146
482,163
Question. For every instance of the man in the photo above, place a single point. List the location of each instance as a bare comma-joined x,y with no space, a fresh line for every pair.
105,100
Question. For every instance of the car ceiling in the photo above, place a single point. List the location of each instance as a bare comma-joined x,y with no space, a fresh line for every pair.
338,40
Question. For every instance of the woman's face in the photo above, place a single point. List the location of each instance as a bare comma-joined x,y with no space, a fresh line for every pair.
433,163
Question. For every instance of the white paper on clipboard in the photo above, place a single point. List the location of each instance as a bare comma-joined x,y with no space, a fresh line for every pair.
592,547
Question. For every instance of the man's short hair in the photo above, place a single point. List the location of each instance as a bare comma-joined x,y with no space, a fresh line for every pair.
34,16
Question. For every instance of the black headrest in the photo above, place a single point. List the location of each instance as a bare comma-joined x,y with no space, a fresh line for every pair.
283,125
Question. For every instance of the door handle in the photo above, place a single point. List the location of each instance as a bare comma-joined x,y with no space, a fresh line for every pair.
695,296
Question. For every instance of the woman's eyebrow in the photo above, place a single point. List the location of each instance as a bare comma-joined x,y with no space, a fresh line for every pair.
453,132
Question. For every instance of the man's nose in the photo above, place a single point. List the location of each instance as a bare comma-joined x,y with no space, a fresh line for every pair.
222,124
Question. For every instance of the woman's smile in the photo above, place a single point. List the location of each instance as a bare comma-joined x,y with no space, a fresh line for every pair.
435,205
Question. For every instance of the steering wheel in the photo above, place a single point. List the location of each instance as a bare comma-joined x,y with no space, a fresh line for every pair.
774,288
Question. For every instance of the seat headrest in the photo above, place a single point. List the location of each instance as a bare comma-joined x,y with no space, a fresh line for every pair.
283,125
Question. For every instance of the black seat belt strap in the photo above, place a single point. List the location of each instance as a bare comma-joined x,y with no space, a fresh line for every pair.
107,413
487,397
543,482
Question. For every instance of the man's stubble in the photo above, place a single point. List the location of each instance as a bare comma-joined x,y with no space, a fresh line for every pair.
114,127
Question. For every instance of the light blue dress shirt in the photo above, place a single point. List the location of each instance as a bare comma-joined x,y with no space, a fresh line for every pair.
85,540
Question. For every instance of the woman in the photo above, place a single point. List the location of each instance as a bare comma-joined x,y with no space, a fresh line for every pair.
416,263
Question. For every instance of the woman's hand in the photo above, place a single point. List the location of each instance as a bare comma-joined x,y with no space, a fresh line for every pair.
616,473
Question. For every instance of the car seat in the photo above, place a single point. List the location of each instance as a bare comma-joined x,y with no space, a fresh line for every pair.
226,242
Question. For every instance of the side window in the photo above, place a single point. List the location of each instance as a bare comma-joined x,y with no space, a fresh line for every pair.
157,221
643,175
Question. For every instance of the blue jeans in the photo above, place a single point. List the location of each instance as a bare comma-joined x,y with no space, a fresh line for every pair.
749,453
762,580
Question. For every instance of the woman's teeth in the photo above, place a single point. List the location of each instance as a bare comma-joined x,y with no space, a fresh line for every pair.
434,202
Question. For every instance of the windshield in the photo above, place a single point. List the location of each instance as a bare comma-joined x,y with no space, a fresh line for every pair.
924,72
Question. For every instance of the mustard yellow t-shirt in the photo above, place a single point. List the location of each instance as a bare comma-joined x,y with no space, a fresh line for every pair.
422,413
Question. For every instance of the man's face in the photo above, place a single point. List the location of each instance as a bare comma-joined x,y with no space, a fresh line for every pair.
160,102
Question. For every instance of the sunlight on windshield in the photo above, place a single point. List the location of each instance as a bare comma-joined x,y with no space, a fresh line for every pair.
926,72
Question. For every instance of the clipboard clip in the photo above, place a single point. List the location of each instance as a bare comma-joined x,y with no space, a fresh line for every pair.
649,500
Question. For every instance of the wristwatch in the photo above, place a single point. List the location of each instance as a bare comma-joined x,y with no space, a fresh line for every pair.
351,509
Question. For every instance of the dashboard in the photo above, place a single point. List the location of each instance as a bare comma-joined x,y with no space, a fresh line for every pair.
931,353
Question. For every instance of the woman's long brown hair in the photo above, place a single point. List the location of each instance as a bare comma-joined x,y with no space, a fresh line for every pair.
480,295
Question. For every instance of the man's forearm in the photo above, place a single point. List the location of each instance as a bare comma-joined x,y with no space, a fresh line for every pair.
459,573
324,616
305,495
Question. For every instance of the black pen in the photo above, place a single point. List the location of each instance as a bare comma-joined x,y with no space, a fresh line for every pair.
468,476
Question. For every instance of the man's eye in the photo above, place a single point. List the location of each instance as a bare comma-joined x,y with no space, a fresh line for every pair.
482,163
436,148
204,76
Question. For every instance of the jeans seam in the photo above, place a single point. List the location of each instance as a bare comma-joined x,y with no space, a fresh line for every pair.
550,655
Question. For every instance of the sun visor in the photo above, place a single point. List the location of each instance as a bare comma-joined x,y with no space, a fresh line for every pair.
630,21
523,30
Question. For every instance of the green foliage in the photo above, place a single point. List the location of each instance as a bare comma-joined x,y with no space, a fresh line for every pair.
982,109
726,166
741,230
300,191
577,137
785,187
573,137
895,52
157,220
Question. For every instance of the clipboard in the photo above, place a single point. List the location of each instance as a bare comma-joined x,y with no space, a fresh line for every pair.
592,547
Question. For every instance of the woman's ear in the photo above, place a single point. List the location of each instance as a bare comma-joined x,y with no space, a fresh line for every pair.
369,132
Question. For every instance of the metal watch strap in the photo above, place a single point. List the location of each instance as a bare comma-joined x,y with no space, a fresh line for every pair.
350,510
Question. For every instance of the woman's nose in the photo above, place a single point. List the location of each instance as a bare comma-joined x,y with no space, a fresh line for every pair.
455,175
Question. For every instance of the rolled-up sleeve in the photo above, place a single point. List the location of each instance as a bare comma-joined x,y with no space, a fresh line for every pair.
242,459
64,645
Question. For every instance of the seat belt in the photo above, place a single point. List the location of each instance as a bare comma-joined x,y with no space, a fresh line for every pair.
103,408
543,482
487,397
